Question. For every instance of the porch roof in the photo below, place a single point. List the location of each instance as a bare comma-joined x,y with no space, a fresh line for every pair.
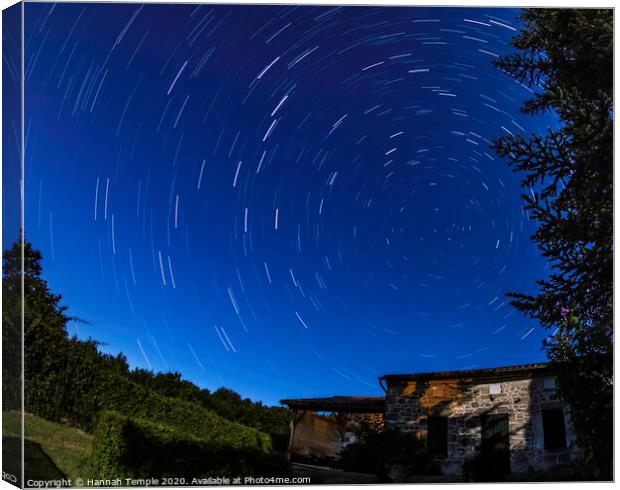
351,404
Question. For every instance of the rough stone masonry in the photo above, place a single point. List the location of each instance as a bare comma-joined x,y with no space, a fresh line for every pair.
521,393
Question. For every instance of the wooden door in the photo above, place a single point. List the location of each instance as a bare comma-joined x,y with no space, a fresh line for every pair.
496,439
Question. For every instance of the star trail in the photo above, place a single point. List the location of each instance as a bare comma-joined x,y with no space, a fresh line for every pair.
284,200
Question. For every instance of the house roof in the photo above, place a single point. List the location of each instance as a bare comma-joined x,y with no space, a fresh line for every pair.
352,404
523,371
376,404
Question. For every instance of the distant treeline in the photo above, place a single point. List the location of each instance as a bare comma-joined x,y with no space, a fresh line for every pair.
70,380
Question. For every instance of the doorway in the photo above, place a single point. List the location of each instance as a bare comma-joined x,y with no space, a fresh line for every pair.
496,440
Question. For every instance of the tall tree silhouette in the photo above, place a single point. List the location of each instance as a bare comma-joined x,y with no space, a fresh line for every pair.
12,327
566,57
45,323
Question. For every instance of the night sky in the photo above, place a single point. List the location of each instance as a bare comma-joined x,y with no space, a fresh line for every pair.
287,201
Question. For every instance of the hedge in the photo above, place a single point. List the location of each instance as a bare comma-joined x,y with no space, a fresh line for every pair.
127,447
87,383
191,418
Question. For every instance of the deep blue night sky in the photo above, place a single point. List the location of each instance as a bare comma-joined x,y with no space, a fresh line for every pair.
287,201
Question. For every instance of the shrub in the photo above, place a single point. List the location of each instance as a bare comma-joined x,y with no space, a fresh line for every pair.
126,447
110,449
187,417
377,451
487,466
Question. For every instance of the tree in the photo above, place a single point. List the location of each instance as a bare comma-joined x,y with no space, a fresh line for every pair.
44,325
11,328
44,330
566,57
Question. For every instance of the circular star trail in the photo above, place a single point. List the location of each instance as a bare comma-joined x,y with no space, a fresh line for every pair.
283,200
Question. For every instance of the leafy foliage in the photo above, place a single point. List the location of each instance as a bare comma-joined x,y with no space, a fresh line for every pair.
566,56
11,328
376,450
186,417
486,466
121,443
223,401
44,320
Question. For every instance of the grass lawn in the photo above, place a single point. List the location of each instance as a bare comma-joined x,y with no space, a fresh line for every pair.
52,450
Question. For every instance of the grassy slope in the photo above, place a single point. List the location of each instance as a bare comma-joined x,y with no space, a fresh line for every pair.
55,450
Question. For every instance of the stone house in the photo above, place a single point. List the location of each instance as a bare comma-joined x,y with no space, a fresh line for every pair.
515,408
512,408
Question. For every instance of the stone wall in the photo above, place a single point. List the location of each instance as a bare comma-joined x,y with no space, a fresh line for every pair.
463,401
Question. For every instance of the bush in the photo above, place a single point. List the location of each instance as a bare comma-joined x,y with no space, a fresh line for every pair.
92,382
187,417
487,466
224,402
127,447
377,451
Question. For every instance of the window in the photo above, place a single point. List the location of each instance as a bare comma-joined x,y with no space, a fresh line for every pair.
437,438
549,384
495,389
553,428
